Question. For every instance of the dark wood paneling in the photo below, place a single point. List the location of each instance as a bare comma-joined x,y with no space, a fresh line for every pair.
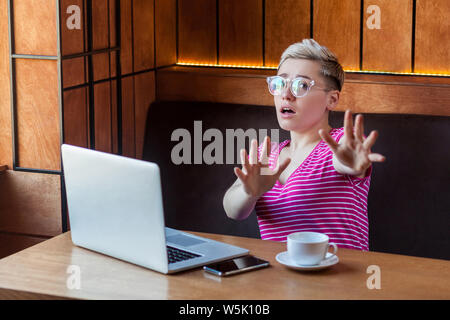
100,24
432,50
75,117
336,25
11,243
102,118
101,66
143,34
361,93
128,120
73,72
100,38
197,31
5,90
30,203
287,22
112,23
35,27
112,35
115,136
71,43
38,131
126,37
165,32
240,32
144,95
71,39
392,40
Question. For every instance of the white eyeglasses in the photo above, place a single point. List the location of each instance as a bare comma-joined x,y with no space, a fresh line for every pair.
299,86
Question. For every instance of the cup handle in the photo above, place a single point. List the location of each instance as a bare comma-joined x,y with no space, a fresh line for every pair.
335,248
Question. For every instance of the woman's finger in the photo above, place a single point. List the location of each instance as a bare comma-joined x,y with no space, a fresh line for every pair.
254,152
348,125
264,158
240,174
376,157
370,140
359,128
244,160
328,140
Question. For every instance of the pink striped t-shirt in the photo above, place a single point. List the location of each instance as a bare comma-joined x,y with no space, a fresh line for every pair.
317,198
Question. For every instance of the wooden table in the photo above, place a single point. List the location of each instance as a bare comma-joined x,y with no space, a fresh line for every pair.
41,272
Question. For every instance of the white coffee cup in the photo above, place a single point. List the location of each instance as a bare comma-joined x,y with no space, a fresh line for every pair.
308,248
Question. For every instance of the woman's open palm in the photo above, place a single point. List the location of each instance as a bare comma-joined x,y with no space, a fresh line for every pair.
256,176
353,150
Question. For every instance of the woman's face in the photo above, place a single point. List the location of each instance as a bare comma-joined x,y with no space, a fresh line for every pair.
308,110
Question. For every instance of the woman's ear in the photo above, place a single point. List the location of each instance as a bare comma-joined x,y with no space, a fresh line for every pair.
332,99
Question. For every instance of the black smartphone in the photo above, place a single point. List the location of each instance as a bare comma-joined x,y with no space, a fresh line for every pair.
236,265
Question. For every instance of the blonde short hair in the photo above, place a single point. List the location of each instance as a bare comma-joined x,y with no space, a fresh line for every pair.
309,49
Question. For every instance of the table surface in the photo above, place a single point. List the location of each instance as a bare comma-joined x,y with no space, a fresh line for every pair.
41,272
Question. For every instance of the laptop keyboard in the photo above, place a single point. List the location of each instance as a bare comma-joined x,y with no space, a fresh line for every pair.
177,255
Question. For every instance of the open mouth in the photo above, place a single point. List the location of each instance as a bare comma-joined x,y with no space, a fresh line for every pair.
285,110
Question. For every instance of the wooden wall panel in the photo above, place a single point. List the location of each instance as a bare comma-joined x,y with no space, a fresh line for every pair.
126,37
182,84
102,118
197,40
112,23
71,43
71,39
432,49
395,98
143,34
5,90
100,26
112,36
38,130
35,27
100,38
287,22
11,243
165,32
75,117
388,48
144,96
336,25
30,203
101,65
240,32
73,72
114,118
371,93
128,118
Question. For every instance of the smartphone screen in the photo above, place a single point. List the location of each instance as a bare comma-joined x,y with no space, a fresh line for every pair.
236,265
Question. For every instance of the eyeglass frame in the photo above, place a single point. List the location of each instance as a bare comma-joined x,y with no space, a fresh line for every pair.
289,84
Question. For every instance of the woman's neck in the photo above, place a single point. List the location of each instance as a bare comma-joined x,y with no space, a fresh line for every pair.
307,137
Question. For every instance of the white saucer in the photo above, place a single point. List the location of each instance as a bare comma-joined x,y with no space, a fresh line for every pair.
330,260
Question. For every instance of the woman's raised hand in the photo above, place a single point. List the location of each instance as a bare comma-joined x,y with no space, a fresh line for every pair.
256,176
353,150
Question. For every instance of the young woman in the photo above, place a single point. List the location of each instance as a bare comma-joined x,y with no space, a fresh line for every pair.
319,179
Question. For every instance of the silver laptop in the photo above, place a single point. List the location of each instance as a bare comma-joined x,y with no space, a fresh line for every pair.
116,208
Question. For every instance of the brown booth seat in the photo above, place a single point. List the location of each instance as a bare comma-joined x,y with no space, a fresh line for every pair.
409,198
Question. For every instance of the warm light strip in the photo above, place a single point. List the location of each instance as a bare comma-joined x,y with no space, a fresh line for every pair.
191,64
